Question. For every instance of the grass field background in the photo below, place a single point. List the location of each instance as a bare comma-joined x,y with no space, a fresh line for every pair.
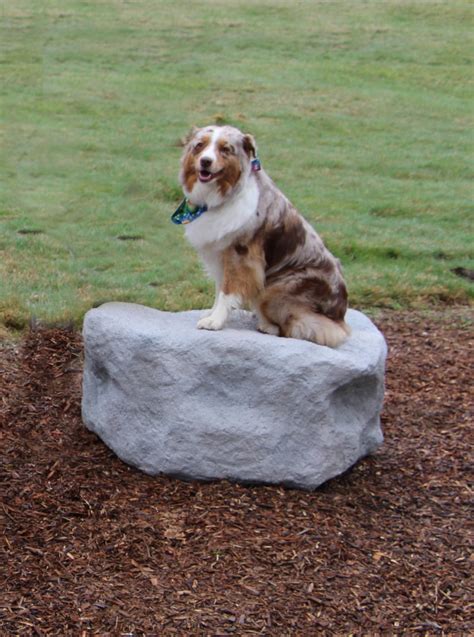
362,111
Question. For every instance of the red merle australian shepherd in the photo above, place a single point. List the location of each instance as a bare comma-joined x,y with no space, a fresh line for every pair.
256,246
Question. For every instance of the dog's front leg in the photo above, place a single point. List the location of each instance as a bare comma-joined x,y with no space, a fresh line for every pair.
242,281
215,270
220,312
219,267
207,313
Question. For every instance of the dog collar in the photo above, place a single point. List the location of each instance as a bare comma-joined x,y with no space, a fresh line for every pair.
256,165
187,212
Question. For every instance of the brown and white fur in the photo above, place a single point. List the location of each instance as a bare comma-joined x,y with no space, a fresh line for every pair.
256,246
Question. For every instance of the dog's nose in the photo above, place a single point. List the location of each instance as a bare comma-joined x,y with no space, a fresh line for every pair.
206,162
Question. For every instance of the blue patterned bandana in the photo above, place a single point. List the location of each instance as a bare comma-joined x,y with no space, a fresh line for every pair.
186,212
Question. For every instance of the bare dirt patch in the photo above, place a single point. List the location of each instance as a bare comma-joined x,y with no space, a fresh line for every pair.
93,547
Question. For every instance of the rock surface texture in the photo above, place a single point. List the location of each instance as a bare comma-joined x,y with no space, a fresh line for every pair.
236,404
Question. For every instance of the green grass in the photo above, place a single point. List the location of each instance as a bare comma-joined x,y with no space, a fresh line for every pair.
362,111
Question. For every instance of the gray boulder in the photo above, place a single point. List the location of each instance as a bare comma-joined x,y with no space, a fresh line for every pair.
236,404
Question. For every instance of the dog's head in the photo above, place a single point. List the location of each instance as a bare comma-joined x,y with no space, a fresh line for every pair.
215,162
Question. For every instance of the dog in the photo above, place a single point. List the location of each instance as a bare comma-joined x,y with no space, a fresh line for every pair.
256,246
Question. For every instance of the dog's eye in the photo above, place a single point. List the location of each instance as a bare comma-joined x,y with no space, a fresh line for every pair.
228,150
198,146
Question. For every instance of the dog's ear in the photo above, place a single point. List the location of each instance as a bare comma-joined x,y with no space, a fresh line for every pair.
249,145
187,138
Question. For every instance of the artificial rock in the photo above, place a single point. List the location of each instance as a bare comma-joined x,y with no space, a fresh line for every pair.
235,404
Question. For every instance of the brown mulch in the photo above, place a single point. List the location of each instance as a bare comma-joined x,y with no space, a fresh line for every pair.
92,547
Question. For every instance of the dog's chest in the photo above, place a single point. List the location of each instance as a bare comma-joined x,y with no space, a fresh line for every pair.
218,228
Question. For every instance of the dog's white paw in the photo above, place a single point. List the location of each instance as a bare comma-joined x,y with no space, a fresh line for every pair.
210,323
268,328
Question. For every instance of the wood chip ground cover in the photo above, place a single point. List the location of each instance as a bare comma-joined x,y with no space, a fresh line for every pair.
93,547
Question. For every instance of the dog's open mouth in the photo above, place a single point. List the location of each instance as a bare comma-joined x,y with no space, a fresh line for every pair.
206,176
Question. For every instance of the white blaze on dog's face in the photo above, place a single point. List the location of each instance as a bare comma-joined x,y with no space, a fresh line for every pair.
216,161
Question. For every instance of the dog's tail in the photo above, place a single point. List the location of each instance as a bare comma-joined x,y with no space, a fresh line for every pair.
318,329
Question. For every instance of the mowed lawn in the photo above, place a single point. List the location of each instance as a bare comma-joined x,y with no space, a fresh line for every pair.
362,112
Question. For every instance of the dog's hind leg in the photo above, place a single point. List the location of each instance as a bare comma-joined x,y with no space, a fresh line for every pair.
264,325
295,320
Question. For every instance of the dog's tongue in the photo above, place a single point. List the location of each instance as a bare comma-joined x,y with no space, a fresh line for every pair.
205,175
